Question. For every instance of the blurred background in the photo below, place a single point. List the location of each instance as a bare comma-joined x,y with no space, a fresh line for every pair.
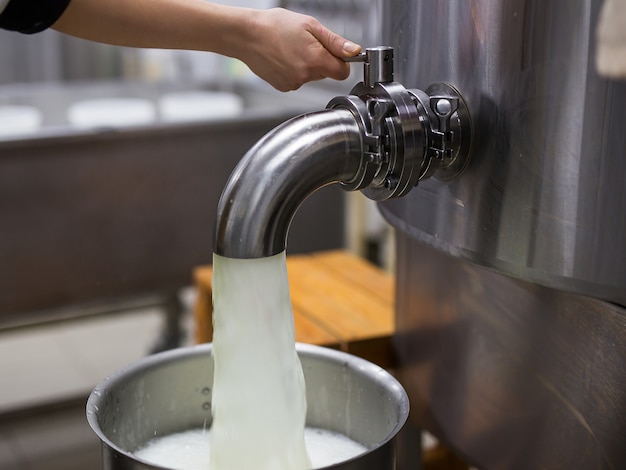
111,163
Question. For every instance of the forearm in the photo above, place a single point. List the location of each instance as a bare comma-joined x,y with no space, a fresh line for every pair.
167,24
282,47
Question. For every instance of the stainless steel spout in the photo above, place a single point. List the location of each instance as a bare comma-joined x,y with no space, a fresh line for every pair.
277,174
381,139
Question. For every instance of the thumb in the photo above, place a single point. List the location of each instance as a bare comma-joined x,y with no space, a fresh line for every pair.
335,44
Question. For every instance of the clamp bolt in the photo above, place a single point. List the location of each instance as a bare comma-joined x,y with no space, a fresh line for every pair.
443,107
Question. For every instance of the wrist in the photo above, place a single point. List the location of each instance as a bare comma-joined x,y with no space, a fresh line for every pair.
239,32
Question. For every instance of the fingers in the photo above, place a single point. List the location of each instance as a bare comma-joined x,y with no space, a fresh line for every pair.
291,49
334,43
338,48
332,67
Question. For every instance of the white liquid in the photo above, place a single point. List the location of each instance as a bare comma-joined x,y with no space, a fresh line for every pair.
259,402
190,450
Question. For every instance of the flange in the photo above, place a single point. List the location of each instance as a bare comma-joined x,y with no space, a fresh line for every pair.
408,135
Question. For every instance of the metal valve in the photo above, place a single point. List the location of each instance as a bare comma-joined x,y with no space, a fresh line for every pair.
409,134
377,65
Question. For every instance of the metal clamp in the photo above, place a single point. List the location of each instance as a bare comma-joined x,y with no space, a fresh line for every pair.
408,135
449,130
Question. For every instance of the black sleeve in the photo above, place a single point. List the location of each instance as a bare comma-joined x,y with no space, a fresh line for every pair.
31,16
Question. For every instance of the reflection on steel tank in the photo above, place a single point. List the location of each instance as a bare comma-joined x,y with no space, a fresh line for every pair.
511,319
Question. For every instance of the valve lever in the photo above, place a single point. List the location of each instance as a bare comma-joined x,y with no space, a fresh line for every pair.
357,58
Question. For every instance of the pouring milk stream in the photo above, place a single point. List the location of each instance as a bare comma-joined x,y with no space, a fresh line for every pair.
259,402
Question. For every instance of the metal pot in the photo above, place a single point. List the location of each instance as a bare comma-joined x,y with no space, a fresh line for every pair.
171,392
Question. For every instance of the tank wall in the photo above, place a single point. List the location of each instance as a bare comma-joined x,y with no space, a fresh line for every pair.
511,280
510,374
543,198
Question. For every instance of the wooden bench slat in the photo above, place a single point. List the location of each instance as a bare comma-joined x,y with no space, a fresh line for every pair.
344,308
360,272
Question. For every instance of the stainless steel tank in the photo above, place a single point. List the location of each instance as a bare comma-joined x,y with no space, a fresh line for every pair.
511,293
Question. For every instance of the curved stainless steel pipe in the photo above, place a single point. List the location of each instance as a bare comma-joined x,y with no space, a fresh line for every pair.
276,175
382,139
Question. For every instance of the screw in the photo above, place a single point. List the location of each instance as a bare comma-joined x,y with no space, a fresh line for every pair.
391,182
443,107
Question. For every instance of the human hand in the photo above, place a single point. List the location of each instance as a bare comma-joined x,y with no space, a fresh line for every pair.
289,49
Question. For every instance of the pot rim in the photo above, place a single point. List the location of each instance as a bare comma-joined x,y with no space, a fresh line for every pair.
377,373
